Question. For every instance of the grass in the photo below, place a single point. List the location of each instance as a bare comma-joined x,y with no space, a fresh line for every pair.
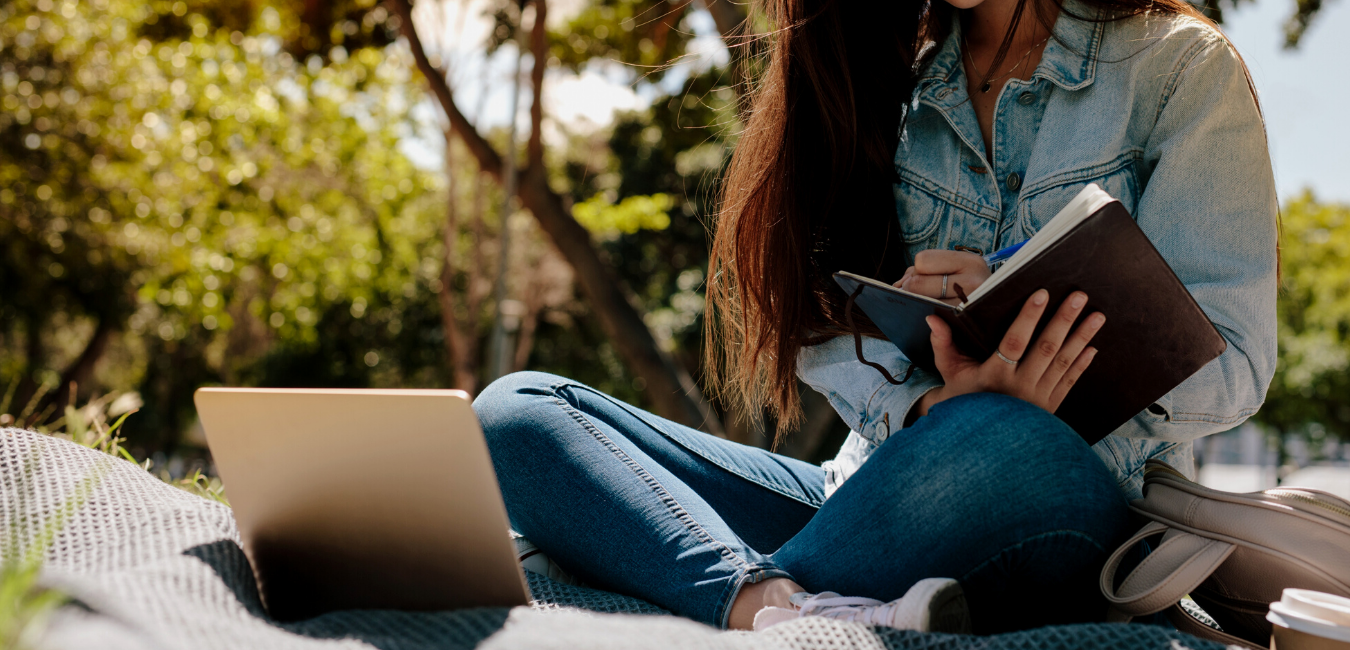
88,425
25,606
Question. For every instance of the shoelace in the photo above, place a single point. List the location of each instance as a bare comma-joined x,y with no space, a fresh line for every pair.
858,610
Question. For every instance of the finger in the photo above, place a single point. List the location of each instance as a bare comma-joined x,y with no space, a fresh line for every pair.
1040,356
945,355
931,285
1014,343
1072,349
900,283
1076,370
931,262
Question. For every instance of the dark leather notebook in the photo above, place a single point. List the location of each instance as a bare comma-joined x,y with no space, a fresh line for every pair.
1155,335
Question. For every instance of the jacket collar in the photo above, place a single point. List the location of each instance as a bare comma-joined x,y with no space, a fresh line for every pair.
1069,60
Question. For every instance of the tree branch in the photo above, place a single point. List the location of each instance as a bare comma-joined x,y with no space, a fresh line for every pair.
539,48
456,343
669,385
488,158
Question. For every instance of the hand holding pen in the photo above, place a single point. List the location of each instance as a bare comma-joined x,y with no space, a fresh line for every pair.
939,273
1002,255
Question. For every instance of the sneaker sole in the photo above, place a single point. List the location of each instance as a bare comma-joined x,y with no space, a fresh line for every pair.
946,609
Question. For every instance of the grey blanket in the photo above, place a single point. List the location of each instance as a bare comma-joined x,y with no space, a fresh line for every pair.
150,566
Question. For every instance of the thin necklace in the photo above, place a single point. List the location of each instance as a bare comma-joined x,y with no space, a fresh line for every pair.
985,81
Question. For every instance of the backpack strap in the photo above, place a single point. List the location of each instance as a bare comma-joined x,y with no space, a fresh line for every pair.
1170,572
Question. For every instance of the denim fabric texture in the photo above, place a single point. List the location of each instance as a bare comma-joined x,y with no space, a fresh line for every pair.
1157,111
987,489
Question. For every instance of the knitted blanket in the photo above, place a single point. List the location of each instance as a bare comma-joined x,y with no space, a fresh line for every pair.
149,566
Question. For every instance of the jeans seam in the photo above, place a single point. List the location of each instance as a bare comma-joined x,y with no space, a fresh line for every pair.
730,470
1033,538
682,515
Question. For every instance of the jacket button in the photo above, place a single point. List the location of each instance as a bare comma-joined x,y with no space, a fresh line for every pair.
1014,181
942,94
1027,98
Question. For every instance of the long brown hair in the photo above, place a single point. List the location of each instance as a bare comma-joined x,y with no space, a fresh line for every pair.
808,190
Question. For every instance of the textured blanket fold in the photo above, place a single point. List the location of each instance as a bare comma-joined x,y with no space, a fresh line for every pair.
150,566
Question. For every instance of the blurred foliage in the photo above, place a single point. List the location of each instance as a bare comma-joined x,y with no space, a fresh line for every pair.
645,34
1311,391
25,607
237,214
1297,25
642,33
1294,28
605,219
1214,9
319,27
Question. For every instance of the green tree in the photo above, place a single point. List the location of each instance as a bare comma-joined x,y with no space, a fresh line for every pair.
207,206
1311,392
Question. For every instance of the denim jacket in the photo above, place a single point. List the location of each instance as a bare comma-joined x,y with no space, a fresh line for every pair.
1158,112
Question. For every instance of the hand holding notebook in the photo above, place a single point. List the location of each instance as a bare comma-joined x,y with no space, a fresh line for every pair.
1040,371
1154,337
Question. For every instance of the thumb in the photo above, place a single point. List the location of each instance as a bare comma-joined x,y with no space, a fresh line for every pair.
945,355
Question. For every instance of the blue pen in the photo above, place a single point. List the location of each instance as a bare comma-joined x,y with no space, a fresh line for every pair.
1000,256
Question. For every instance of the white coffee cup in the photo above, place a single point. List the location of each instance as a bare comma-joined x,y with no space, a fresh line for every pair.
1310,620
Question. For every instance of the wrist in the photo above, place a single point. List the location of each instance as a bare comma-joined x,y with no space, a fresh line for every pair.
926,402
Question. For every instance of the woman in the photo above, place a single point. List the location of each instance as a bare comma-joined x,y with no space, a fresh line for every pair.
900,142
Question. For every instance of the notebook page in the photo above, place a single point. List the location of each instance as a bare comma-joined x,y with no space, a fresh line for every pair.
1088,201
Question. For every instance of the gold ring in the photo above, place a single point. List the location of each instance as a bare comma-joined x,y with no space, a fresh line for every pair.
1005,359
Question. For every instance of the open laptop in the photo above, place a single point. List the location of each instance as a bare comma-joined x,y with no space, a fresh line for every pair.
363,499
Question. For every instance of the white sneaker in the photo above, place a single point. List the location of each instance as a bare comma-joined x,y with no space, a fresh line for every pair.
533,559
931,605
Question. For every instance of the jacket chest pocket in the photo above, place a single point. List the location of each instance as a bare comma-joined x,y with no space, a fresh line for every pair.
1040,204
929,221
921,216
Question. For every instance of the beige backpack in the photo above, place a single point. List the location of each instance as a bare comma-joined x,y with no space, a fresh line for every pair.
1233,554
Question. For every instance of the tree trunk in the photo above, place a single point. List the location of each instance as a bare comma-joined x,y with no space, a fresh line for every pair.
474,293
81,370
670,387
529,322
456,343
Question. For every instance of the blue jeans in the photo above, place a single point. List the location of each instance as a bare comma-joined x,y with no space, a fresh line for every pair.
986,489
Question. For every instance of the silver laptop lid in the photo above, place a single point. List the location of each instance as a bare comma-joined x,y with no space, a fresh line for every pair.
363,499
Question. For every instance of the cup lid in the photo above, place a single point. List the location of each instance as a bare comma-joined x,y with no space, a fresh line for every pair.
1313,612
